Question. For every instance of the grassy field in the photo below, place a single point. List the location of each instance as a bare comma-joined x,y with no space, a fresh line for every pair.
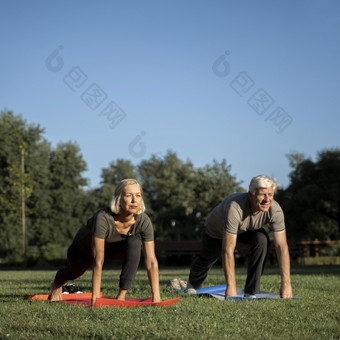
315,316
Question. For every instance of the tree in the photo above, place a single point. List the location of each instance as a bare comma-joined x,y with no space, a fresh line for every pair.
52,185
168,190
213,184
68,199
312,200
16,136
179,197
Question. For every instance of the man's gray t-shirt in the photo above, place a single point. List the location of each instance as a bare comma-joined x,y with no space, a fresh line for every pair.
234,215
102,225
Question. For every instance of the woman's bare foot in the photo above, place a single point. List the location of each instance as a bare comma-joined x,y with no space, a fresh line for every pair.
121,294
56,292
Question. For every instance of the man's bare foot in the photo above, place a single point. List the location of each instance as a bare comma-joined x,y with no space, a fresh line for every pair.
56,292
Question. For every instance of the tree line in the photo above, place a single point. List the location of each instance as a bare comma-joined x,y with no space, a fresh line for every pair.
48,183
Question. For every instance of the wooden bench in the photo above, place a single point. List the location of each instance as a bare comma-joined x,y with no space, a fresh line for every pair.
312,248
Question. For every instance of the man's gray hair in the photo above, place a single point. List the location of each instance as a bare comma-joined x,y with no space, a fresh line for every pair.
261,181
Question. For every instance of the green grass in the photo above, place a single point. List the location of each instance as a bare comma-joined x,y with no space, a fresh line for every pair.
315,316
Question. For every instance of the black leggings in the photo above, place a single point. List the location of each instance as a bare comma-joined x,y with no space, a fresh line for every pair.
258,240
78,262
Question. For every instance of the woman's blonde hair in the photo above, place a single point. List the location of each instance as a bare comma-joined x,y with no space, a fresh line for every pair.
261,181
117,196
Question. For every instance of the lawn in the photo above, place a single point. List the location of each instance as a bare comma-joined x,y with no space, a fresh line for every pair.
315,316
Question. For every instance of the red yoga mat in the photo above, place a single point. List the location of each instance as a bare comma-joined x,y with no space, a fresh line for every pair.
84,299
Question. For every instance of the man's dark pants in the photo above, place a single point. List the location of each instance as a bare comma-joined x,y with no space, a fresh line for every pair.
211,248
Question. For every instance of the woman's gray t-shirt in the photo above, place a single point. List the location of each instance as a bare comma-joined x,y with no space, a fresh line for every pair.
102,225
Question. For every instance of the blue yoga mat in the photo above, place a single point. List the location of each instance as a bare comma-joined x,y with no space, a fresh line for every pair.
217,292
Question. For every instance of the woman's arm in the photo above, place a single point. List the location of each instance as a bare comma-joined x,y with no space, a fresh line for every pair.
98,252
151,265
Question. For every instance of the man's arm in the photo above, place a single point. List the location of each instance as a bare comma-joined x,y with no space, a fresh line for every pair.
98,259
228,248
151,265
282,252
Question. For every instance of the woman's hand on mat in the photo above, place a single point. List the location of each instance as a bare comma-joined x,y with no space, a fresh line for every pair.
156,298
94,298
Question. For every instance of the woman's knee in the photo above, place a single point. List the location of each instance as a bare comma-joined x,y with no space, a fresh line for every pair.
133,245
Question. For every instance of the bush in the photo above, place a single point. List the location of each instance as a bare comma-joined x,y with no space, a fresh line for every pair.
319,261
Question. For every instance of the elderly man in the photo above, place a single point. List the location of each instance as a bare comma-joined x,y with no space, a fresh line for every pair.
240,218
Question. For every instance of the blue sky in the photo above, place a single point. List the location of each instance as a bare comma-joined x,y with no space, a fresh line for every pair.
246,81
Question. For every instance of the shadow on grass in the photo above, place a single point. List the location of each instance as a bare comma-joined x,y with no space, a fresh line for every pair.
12,297
309,270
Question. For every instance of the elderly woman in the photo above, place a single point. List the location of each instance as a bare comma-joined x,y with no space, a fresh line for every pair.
112,233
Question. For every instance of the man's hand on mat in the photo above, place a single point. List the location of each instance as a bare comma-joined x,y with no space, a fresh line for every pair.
56,292
230,291
286,290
